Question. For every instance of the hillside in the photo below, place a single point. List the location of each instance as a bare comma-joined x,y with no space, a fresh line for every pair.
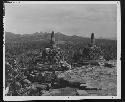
39,37
17,43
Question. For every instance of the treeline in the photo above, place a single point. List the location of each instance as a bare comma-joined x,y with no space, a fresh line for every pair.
74,52
73,46
77,52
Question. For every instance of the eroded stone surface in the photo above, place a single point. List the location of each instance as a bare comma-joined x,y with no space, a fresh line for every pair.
102,79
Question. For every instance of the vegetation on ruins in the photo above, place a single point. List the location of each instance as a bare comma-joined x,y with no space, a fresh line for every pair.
73,46
22,53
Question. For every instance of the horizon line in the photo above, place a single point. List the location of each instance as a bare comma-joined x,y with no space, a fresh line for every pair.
63,34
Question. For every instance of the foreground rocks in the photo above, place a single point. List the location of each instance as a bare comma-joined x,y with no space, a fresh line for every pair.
79,81
95,80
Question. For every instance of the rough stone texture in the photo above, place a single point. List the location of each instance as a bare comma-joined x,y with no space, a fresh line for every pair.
82,93
63,92
51,78
96,80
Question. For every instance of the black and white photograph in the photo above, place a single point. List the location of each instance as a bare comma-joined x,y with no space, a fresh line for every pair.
61,50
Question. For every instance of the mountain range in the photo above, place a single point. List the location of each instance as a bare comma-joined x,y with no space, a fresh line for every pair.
45,37
17,43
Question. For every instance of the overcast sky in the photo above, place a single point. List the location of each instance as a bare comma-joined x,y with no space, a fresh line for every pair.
70,19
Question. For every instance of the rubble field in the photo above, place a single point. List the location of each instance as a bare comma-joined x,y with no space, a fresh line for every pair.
87,80
49,73
95,80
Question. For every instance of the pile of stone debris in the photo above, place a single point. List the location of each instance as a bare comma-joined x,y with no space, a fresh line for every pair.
53,76
34,81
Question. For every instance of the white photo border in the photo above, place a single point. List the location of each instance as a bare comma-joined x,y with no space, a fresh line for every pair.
20,98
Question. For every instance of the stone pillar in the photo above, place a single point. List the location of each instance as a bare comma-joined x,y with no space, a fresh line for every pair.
92,40
53,39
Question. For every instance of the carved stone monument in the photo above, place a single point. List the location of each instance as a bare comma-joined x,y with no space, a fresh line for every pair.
93,53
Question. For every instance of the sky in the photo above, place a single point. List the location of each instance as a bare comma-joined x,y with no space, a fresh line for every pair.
70,19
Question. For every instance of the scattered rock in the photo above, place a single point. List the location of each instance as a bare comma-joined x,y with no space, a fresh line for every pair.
45,93
82,93
27,81
63,92
111,85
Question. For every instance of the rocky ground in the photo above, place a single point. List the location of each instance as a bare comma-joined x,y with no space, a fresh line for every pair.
89,80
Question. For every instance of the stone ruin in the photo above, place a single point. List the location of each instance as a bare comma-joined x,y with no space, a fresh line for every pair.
44,76
51,62
93,54
53,57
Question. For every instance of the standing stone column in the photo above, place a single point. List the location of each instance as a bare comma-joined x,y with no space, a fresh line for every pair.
53,44
92,40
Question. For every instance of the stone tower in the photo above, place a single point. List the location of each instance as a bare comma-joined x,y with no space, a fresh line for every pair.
92,42
53,44
92,52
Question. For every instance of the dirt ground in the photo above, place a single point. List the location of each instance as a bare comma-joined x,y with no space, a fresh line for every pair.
98,80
